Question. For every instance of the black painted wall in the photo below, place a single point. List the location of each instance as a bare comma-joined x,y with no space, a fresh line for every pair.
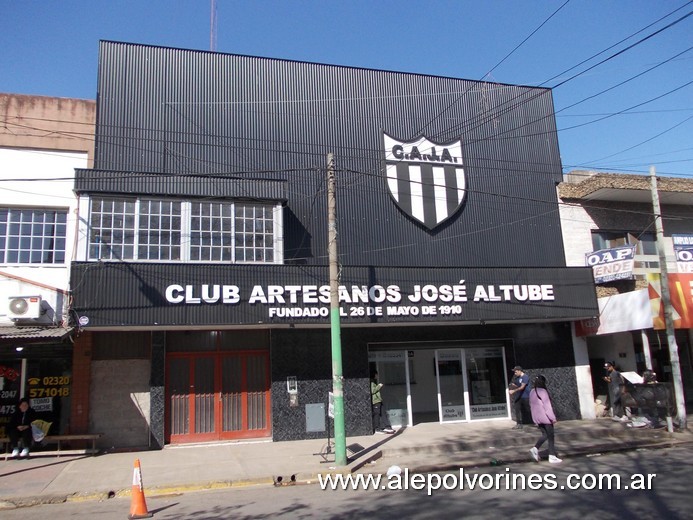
306,354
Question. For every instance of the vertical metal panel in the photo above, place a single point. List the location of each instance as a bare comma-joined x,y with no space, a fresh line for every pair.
178,111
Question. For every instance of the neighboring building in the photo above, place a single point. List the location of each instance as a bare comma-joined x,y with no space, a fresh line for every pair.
610,213
201,281
42,141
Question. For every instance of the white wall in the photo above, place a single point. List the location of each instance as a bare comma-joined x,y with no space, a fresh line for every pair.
576,226
47,182
583,376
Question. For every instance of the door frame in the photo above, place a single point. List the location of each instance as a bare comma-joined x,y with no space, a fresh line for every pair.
218,434
401,353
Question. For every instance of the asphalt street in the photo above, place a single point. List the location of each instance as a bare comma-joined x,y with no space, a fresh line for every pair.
665,470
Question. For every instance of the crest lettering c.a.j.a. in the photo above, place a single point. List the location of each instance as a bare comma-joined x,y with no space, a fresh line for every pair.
425,179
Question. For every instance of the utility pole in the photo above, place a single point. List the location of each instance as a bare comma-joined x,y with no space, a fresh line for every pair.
666,302
340,457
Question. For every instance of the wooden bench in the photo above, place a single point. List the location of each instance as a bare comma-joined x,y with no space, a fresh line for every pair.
59,439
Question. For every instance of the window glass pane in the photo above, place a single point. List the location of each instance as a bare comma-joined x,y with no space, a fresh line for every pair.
32,236
254,235
210,231
122,234
646,244
608,239
152,229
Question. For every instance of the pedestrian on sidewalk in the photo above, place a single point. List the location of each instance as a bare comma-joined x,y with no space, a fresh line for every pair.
381,423
19,428
544,417
615,380
519,393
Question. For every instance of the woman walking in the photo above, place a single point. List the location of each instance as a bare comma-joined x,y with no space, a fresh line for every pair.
543,417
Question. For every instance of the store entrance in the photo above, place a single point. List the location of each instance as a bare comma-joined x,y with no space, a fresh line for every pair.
217,396
424,384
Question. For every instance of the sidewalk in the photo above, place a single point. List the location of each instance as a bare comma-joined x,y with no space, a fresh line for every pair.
424,447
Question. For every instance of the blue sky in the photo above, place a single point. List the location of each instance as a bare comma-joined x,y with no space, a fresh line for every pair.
50,48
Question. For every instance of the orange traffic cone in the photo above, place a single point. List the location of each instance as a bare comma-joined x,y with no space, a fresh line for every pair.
138,506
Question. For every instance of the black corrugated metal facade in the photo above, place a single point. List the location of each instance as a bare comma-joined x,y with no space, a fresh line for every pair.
188,112
195,124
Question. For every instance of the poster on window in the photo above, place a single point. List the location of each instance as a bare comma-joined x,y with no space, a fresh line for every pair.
489,410
10,372
611,264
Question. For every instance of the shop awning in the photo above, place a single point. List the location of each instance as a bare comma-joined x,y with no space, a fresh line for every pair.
34,333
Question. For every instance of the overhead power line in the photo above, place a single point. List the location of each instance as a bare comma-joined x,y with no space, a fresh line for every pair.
420,131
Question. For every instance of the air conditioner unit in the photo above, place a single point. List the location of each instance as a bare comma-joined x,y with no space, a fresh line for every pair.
24,307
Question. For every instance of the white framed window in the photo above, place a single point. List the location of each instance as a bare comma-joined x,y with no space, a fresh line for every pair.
173,230
211,231
32,235
254,240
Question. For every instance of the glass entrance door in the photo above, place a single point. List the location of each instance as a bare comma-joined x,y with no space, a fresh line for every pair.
486,382
393,373
468,383
451,392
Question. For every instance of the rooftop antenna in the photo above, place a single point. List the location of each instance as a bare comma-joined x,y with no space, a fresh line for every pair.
213,26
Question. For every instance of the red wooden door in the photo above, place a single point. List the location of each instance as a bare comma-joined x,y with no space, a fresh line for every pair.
217,396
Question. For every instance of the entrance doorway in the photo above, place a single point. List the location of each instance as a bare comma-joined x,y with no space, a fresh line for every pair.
452,384
217,396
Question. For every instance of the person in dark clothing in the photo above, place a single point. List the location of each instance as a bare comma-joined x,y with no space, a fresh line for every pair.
19,428
381,424
519,393
615,380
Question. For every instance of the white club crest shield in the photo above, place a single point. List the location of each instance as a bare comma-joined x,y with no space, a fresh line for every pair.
425,179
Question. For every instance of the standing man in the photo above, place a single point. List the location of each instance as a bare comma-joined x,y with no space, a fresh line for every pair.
614,378
381,424
519,393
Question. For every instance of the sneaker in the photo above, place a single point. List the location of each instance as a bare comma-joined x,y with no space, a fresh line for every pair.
625,419
534,452
554,460
389,430
15,453
24,453
616,418
380,431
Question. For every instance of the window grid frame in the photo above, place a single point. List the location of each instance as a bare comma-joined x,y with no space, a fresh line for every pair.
51,247
263,239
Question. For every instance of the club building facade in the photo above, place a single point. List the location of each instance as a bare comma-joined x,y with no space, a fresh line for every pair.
201,286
